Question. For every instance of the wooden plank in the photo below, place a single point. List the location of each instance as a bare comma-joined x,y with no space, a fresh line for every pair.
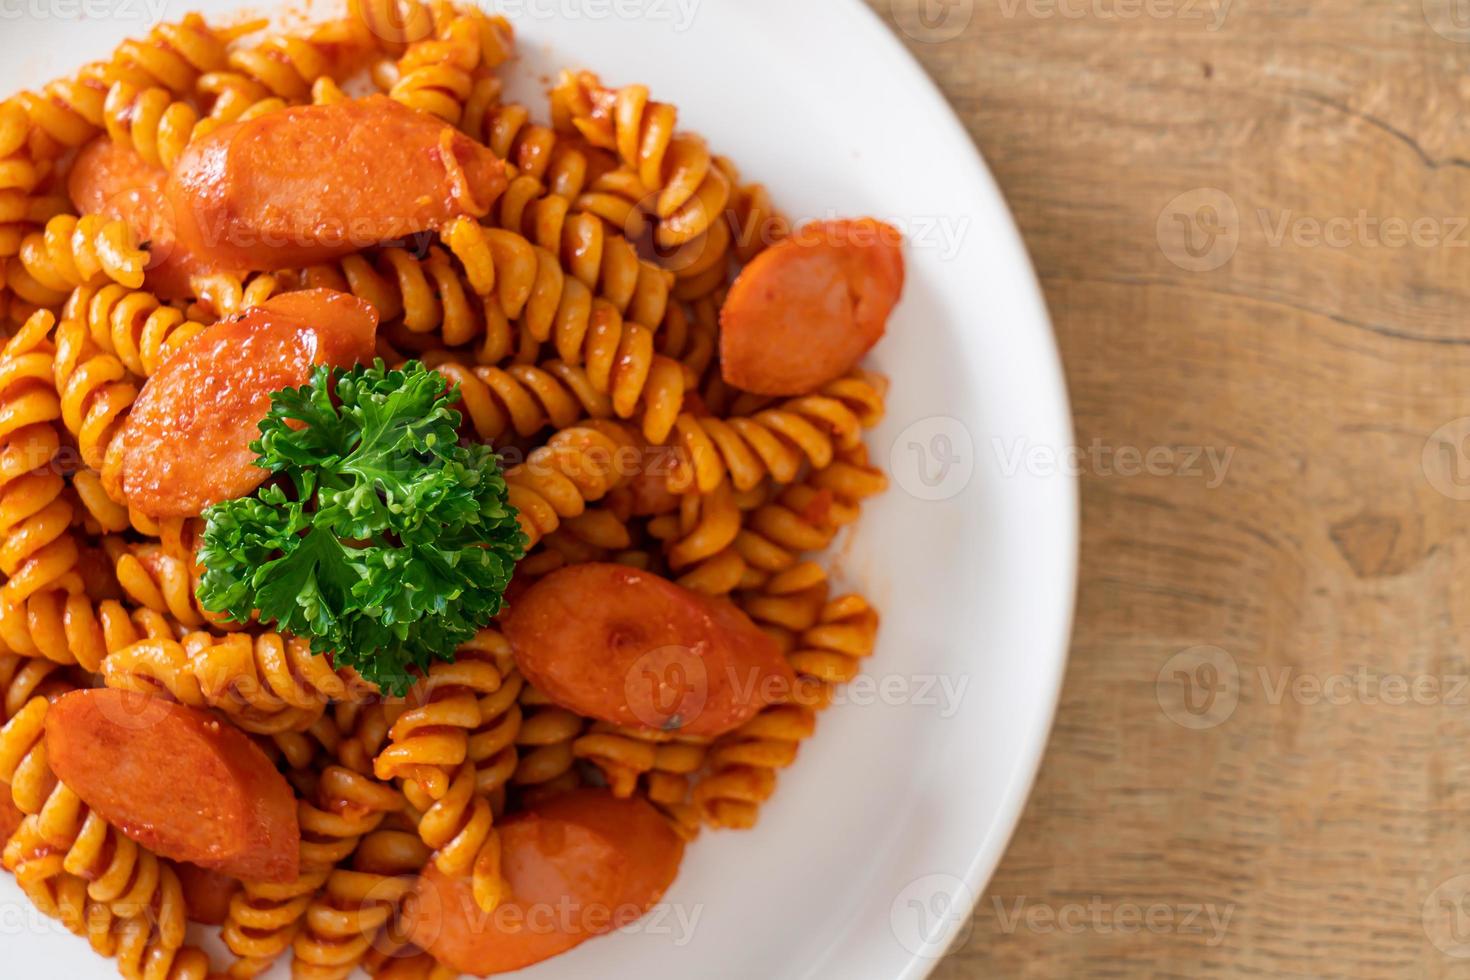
1318,820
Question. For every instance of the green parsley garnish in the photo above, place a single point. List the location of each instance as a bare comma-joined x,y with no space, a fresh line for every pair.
384,540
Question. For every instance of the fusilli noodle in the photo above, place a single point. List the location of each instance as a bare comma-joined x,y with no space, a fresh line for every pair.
579,318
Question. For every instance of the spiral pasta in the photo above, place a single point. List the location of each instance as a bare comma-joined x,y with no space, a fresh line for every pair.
755,222
22,206
575,467
618,353
690,192
599,534
144,956
438,74
625,755
221,297
805,518
56,894
363,725
134,325
523,279
95,388
707,219
825,641
459,825
744,768
281,70
413,965
143,950
426,295
173,56
265,920
25,678
580,320
705,527
69,111
351,910
776,442
691,337
159,127
393,856
430,740
744,764
590,250
165,583
76,630
547,763
267,683
232,97
460,828
37,550
149,120
286,66
521,399
90,250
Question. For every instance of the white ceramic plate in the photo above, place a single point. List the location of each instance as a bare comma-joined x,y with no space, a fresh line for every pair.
865,863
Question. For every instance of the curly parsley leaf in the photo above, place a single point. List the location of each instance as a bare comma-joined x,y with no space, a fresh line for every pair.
384,539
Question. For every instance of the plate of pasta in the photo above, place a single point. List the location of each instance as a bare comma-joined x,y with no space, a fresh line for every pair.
455,519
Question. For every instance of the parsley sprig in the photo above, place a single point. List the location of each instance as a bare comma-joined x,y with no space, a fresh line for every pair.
385,539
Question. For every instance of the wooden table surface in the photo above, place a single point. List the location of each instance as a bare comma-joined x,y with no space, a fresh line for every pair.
1252,223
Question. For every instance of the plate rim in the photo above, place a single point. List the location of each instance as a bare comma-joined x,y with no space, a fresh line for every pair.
994,841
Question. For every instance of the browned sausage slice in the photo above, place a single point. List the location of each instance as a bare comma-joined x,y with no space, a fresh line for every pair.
578,866
310,183
631,648
186,443
805,311
177,780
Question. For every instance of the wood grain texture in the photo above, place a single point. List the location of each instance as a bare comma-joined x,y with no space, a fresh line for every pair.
1326,818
